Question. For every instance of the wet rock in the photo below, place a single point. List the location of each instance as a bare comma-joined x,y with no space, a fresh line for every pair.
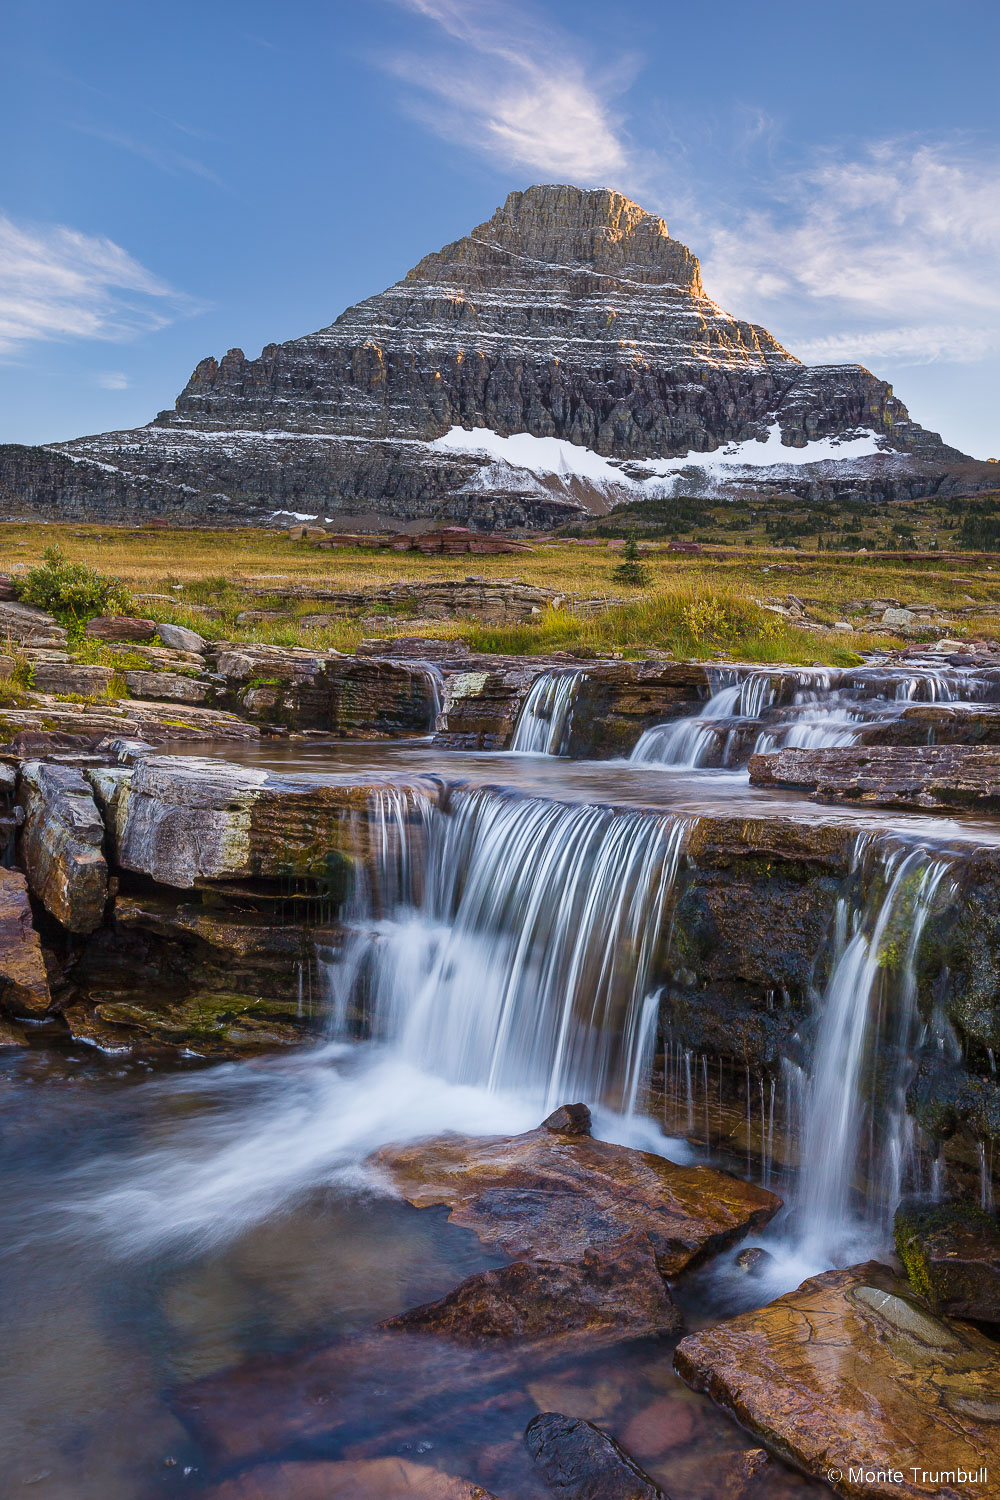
169,685
55,678
581,1462
937,724
24,987
957,777
11,1035
182,820
554,1196
849,1371
61,843
119,628
616,1291
665,1423
360,698
753,1259
951,1252
371,1479
181,638
569,1119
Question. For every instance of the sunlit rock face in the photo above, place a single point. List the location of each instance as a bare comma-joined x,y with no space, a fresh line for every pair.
571,318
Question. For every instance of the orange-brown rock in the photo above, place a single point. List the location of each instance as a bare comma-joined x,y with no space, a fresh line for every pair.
374,1479
616,1291
552,1195
848,1377
24,988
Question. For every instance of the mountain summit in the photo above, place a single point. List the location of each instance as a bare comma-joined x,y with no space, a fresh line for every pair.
562,354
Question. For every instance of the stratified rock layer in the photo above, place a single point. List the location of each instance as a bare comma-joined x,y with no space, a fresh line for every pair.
569,314
61,845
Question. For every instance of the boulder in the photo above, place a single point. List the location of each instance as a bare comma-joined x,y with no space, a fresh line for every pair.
24,987
951,1252
181,638
55,677
363,1479
120,628
169,685
849,1377
183,820
895,618
61,843
616,1291
581,1462
553,1195
956,777
30,627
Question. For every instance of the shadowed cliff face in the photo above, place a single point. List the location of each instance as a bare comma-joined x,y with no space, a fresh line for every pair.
569,314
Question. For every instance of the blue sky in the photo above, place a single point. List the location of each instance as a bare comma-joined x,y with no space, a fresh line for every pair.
176,182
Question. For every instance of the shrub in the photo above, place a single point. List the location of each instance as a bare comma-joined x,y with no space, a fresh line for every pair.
72,591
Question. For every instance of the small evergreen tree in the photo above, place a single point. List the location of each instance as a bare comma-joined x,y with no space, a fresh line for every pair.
630,570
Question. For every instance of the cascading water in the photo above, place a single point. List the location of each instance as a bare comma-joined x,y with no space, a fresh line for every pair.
752,710
546,714
525,963
855,1136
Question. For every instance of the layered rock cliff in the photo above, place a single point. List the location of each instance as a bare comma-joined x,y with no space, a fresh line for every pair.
570,318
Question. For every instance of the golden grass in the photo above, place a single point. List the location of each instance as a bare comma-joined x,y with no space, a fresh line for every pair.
693,606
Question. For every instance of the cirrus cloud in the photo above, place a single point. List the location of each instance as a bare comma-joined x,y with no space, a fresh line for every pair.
57,283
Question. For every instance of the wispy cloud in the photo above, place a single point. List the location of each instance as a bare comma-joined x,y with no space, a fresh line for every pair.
165,158
501,82
891,254
56,283
112,380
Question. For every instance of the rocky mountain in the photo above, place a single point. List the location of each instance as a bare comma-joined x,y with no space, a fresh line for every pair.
562,355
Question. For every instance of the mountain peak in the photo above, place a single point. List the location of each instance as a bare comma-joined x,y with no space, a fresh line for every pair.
593,229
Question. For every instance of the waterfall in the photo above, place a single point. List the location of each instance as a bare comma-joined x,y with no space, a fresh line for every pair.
546,714
855,1119
525,961
752,710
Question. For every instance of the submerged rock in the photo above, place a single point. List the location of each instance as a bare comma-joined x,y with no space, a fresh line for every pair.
366,1479
848,1376
616,1291
951,1252
61,845
581,1462
554,1195
753,1259
24,987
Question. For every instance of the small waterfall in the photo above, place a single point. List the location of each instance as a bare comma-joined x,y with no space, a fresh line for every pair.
855,1127
525,961
753,710
546,714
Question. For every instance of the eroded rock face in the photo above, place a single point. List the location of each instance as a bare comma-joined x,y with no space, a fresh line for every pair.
614,1292
359,698
957,777
24,987
951,1252
581,1462
61,845
848,1375
182,820
552,1195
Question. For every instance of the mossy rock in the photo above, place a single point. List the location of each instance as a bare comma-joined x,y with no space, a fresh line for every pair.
951,1252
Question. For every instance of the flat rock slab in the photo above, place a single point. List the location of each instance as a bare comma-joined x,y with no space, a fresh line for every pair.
44,724
956,777
181,820
848,1377
24,987
61,845
553,1195
616,1290
371,1479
